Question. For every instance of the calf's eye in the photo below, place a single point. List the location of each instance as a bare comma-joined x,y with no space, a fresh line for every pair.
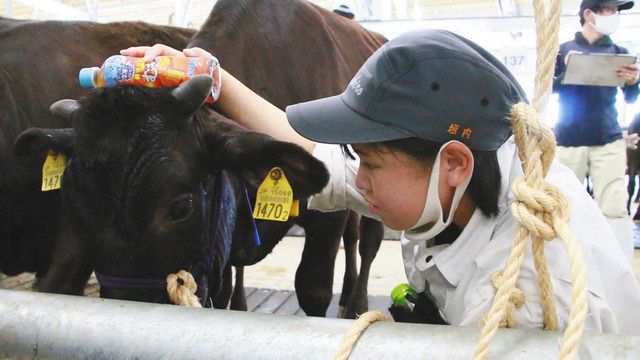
181,208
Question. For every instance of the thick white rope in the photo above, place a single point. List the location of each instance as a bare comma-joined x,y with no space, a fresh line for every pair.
355,331
540,208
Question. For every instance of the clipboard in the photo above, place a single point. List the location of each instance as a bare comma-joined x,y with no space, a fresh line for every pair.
596,69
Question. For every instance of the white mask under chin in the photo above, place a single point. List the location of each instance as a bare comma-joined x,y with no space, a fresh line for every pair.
606,25
432,222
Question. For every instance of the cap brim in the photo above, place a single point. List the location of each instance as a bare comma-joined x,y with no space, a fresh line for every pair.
331,121
622,5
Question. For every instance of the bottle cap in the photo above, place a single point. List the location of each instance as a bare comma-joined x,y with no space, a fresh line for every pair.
86,77
399,294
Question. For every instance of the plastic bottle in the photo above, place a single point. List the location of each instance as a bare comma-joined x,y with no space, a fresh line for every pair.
403,298
400,293
163,71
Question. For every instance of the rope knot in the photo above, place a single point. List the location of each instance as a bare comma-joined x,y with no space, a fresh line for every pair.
181,288
536,207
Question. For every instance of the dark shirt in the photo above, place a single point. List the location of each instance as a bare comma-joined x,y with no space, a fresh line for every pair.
588,114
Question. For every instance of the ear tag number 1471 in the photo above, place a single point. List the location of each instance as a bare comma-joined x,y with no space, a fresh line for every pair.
274,198
52,170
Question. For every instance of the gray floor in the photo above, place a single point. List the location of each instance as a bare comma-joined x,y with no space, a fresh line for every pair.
269,284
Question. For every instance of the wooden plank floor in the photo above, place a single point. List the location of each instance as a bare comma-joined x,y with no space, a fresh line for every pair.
259,300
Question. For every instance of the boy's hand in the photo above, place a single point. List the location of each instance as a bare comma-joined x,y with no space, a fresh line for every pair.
628,73
197,52
151,52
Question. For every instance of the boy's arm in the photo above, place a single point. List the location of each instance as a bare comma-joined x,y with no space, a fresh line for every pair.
250,110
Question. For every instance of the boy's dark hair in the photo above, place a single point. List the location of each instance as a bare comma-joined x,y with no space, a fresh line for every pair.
596,9
484,187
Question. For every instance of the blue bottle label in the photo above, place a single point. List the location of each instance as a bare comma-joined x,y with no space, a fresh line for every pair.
117,69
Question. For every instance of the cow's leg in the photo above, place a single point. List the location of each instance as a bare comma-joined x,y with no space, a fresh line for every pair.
632,170
350,241
314,277
70,265
239,298
371,233
631,188
222,298
637,198
633,164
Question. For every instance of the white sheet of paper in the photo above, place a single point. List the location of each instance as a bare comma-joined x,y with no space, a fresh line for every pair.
595,69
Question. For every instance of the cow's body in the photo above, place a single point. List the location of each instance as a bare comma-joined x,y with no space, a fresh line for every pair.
295,51
39,63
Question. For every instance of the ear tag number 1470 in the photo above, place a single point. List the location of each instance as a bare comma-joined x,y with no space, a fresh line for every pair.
52,170
274,198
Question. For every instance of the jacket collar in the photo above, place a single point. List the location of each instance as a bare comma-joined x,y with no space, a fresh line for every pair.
605,41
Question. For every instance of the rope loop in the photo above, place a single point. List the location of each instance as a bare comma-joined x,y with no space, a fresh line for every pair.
536,142
516,299
181,288
355,331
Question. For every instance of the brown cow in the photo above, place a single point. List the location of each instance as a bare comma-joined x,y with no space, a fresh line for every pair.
39,63
258,42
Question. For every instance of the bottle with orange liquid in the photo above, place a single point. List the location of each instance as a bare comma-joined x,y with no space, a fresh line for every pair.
163,71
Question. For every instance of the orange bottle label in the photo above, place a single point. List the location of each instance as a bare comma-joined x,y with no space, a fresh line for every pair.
163,71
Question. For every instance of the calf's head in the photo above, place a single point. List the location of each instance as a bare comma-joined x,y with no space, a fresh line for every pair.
149,174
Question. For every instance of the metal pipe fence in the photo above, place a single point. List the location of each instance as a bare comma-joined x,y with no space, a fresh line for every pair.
47,326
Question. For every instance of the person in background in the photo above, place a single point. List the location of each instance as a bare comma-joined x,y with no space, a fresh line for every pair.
421,139
588,135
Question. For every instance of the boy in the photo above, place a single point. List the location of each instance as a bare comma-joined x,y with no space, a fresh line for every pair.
428,116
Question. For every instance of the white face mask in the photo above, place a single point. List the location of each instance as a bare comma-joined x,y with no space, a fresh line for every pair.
606,25
431,223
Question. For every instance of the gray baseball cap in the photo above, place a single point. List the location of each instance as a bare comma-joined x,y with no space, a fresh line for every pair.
430,84
591,4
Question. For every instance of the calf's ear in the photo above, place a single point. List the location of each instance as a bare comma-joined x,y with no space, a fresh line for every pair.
38,140
252,155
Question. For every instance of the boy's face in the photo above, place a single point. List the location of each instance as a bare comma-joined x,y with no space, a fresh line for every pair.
395,185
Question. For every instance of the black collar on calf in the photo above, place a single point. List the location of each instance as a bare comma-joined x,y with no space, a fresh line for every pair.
128,283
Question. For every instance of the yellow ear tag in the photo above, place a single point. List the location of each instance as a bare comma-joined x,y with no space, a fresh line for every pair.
274,198
295,208
52,170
